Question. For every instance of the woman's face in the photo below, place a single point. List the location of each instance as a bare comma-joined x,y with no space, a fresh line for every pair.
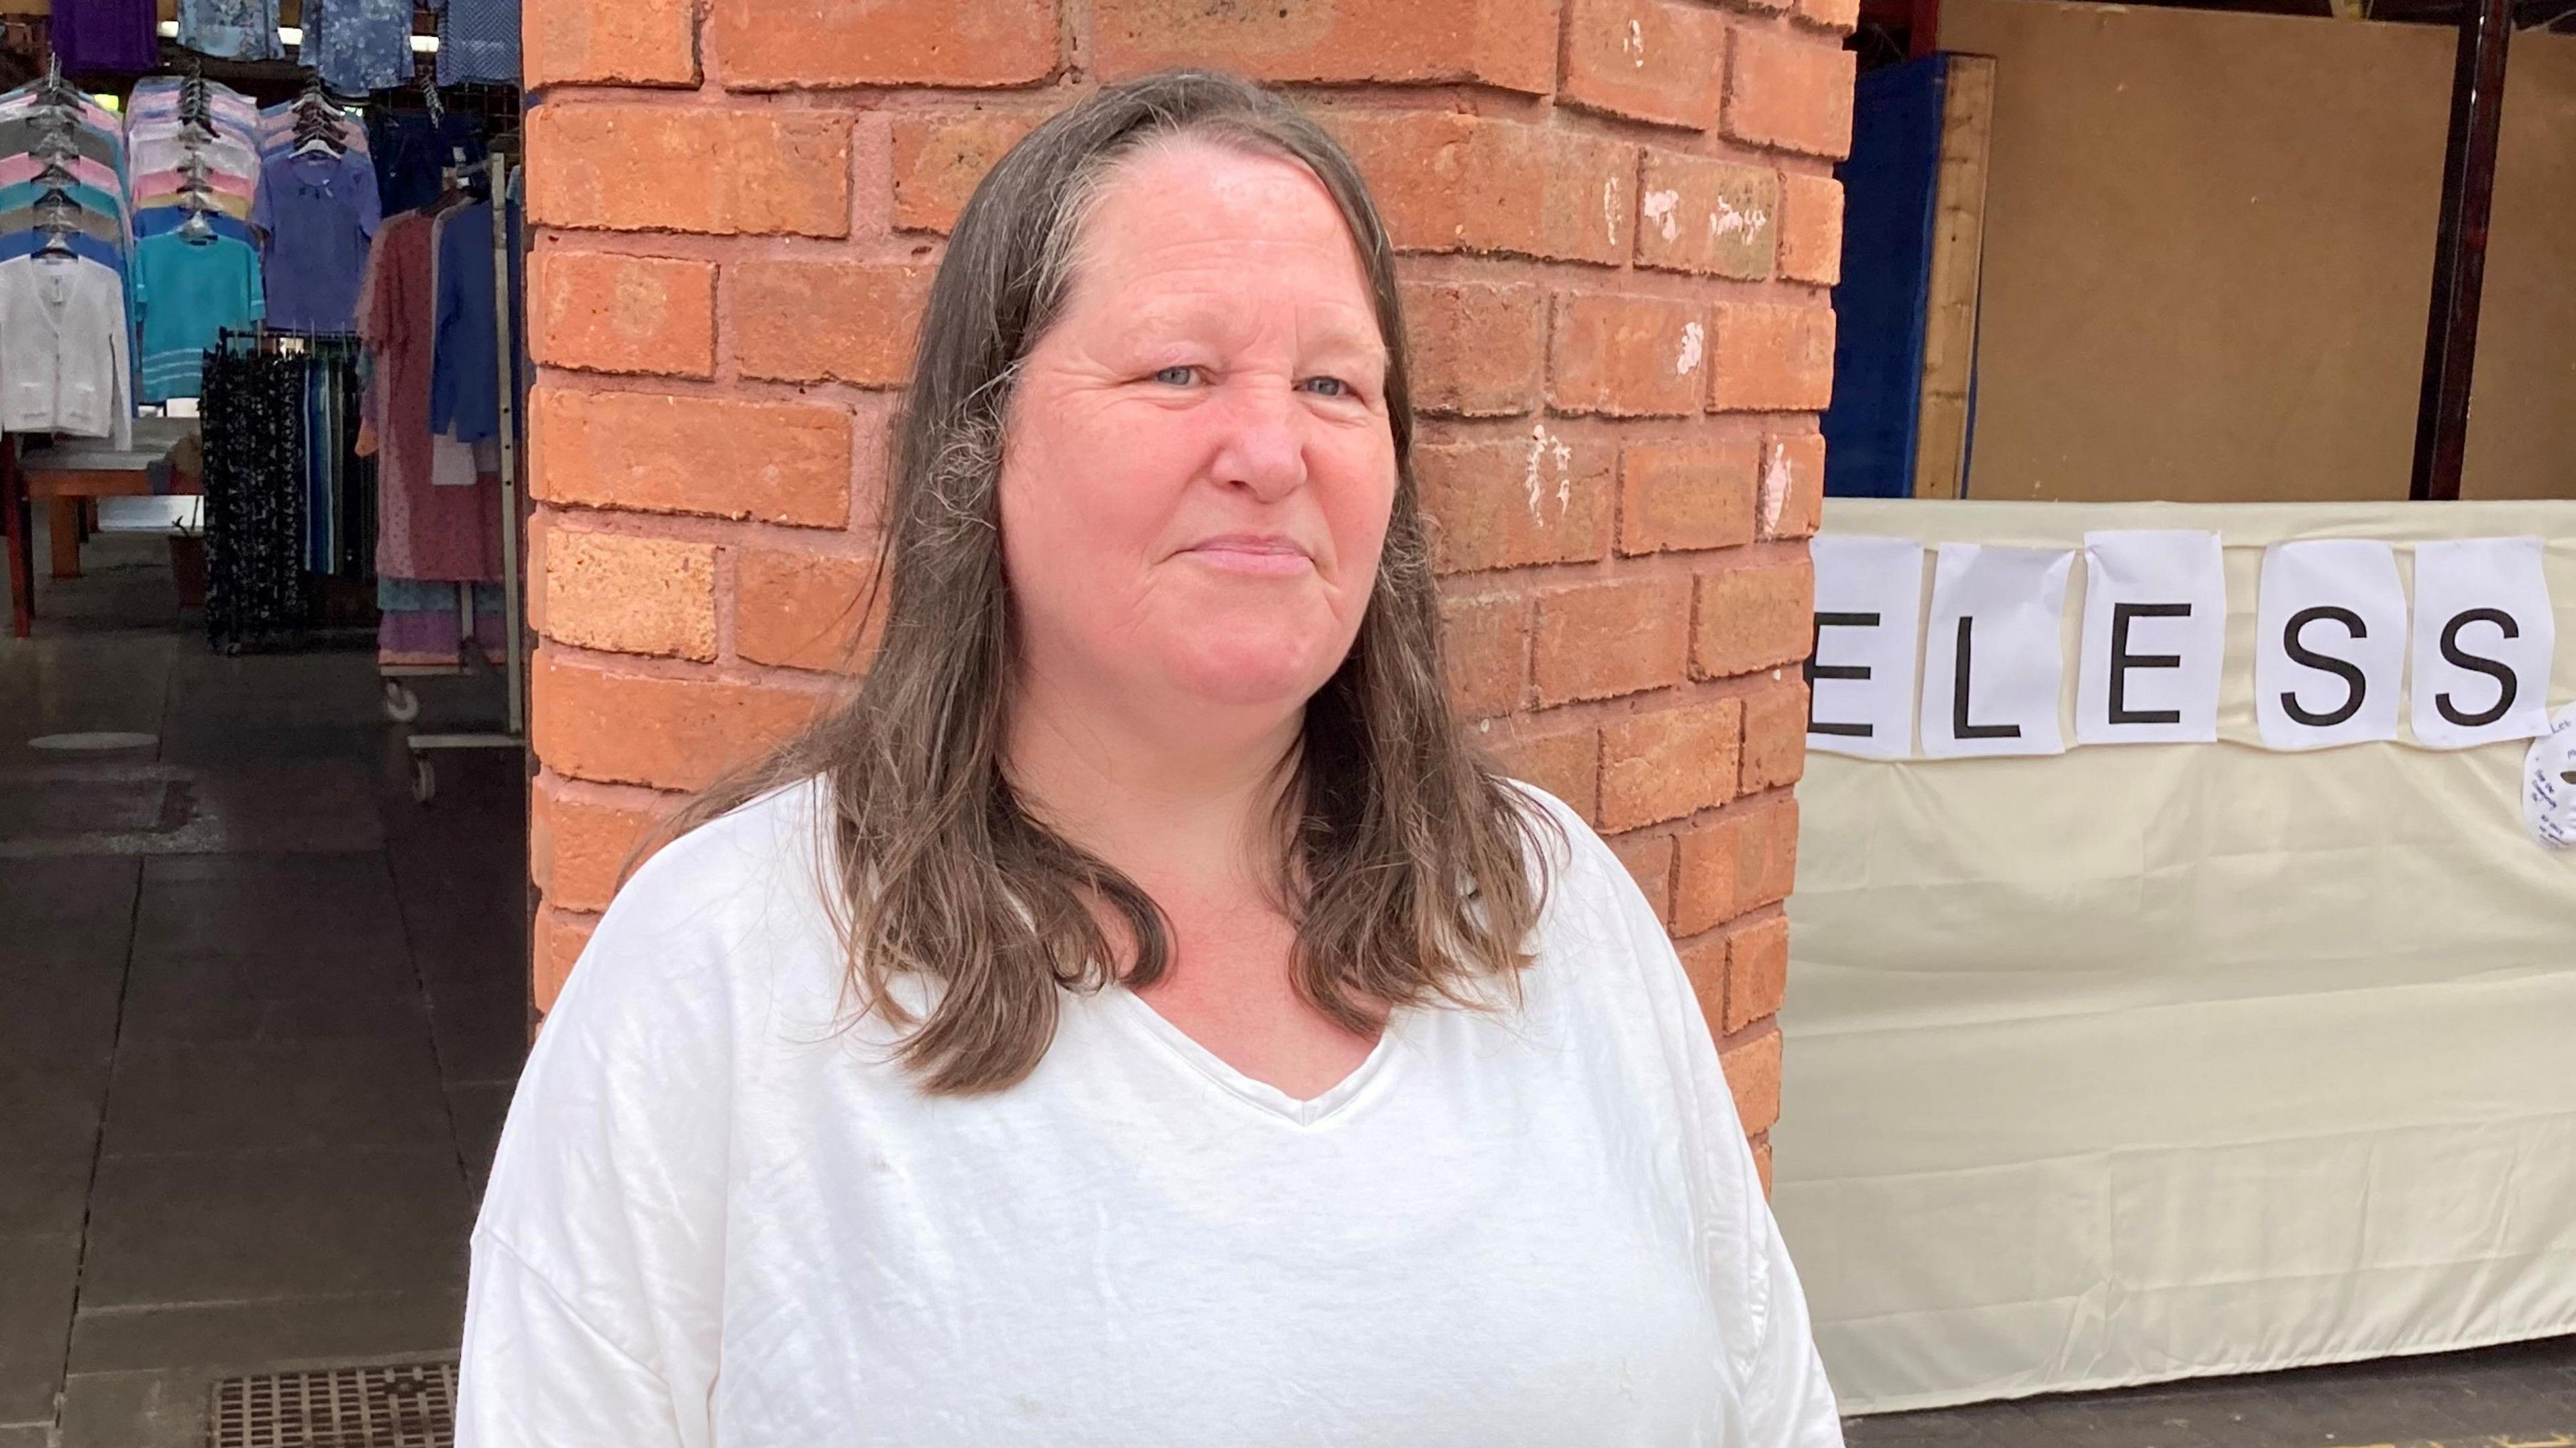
1197,468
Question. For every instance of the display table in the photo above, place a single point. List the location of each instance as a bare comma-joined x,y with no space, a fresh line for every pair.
68,473
2151,1061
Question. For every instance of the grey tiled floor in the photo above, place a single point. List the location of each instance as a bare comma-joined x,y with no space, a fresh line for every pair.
259,1014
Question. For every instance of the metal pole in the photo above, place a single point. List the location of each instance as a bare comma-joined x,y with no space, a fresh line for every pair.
509,348
2460,247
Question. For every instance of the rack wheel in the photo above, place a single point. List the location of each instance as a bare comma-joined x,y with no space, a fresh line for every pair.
401,705
424,779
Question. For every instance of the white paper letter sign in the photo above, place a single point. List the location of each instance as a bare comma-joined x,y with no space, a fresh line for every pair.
1992,661
1869,619
2155,636
2330,643
2483,637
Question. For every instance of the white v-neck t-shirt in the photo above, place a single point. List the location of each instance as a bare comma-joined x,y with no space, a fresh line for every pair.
717,1221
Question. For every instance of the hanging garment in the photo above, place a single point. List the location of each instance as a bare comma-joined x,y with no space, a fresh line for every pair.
277,123
318,214
22,169
478,40
104,230
358,45
425,529
108,35
22,133
465,387
411,152
164,146
63,363
423,625
253,435
231,29
333,472
162,220
186,293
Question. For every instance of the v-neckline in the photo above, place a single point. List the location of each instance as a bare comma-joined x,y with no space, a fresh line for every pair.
1308,1112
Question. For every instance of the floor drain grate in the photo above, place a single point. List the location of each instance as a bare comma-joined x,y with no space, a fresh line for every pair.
408,1406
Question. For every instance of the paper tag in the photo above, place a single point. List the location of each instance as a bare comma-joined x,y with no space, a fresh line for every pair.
2549,784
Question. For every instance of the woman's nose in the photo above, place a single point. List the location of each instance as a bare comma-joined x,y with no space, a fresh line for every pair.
1262,451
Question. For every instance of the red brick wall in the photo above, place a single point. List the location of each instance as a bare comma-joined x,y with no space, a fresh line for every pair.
1618,224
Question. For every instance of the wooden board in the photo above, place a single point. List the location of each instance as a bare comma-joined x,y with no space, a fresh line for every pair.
1958,249
2209,250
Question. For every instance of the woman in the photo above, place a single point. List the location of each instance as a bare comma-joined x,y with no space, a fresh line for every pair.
1134,1018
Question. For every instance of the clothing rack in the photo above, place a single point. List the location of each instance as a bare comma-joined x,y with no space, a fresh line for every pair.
514,732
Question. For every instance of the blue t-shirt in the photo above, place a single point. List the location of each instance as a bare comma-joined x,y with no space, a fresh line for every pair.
185,293
319,215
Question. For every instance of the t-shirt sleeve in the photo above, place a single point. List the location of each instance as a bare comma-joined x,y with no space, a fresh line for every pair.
536,1371
1780,1378
362,177
593,1311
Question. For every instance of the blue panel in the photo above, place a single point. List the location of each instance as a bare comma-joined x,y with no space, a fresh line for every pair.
1889,187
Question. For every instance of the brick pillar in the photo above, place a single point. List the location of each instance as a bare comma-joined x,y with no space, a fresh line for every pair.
1617,220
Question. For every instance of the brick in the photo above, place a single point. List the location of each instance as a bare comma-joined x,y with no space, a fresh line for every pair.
1504,502
630,595
1607,639
1649,861
938,161
655,730
1811,229
1476,349
1509,44
1451,182
1713,217
581,836
801,610
560,937
1841,16
603,166
601,312
1485,647
1762,1162
1793,485
779,462
1753,1075
1757,971
1789,90
1744,859
1767,357
1775,733
1648,60
1670,763
1567,765
1757,614
1627,356
1704,966
764,45
1683,496
609,42
815,321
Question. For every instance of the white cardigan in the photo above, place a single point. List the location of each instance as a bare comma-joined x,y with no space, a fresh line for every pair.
63,363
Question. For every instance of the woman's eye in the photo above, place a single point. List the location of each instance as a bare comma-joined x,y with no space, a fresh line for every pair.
1328,386
1177,376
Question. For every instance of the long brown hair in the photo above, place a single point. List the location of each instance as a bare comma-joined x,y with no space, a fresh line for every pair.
1411,870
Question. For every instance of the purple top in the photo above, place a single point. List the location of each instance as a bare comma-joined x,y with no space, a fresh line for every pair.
319,214
115,35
